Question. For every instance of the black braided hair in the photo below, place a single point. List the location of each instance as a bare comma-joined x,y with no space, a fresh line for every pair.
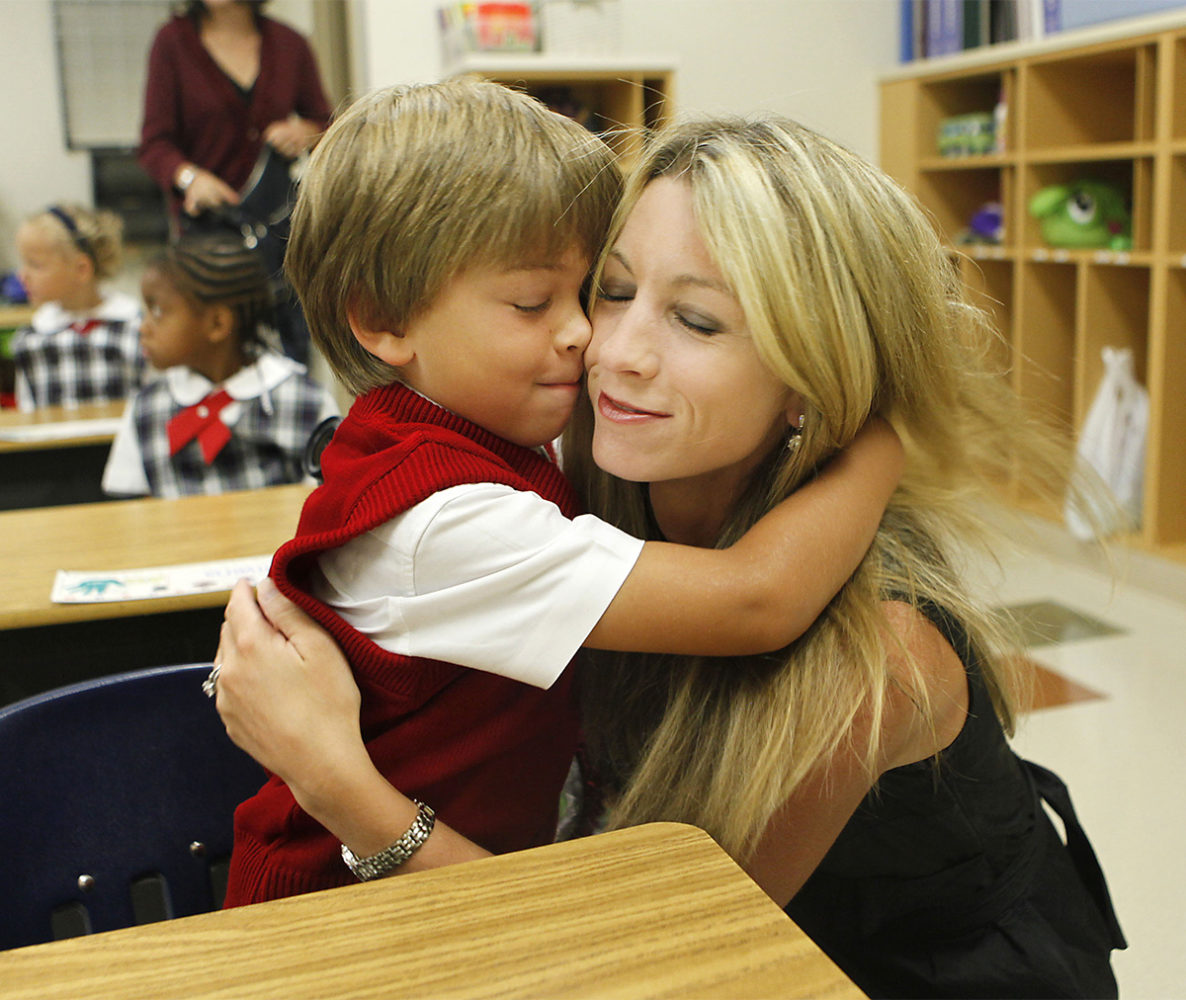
216,269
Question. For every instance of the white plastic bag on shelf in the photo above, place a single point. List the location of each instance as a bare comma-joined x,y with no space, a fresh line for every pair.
1113,443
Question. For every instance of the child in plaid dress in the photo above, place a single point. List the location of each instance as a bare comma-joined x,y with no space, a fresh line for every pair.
83,344
228,413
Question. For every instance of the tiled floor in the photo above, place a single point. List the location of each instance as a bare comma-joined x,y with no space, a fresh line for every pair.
1109,719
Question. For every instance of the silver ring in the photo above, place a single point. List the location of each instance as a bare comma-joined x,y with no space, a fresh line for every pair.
210,684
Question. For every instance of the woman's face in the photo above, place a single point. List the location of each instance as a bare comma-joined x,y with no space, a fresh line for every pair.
679,393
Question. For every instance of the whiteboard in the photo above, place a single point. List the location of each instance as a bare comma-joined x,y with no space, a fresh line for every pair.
102,64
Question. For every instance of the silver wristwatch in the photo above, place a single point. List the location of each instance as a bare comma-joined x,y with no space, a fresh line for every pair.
392,857
185,177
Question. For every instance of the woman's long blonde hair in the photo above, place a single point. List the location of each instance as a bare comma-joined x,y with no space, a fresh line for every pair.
854,303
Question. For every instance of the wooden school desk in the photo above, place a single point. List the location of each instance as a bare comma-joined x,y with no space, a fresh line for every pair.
43,644
655,911
14,315
55,455
54,416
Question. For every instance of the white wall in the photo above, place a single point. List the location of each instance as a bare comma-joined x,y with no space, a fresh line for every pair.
35,168
815,60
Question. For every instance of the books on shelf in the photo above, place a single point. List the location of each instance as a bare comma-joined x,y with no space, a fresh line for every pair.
933,28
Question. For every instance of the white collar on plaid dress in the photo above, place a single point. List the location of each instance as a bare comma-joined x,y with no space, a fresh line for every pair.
116,307
267,371
209,411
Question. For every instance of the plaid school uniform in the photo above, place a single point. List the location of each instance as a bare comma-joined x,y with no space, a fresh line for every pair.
185,435
64,359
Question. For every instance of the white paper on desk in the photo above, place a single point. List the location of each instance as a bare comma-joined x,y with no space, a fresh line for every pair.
96,586
64,430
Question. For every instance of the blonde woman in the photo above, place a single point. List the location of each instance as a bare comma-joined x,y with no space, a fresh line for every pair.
862,776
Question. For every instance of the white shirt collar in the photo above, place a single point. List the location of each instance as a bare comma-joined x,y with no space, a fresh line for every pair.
250,382
114,307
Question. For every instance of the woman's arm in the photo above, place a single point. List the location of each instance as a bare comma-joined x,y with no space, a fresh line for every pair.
288,698
291,136
309,111
311,102
764,591
159,153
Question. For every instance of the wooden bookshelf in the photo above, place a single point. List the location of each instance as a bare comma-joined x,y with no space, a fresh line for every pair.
623,95
1105,104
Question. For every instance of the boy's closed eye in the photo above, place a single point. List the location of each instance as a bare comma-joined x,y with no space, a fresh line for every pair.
527,307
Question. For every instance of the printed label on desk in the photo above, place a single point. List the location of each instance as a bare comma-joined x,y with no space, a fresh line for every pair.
78,587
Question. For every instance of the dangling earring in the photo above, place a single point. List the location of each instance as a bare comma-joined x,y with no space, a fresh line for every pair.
796,438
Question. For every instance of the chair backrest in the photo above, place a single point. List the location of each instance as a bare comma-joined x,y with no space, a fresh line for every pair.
118,796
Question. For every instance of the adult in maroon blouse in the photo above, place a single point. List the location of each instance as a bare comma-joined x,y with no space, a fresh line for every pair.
223,80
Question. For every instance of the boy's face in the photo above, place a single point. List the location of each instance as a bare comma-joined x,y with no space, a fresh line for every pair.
504,348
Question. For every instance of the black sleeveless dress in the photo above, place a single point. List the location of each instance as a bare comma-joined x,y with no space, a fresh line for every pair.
950,880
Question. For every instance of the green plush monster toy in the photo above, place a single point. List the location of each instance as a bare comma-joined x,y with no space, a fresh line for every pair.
1083,214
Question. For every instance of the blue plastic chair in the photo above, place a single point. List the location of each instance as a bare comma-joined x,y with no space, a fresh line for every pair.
117,799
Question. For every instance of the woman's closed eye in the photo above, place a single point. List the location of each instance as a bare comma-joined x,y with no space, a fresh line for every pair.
614,289
696,322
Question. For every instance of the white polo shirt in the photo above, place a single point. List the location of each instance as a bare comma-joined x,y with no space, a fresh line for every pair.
482,575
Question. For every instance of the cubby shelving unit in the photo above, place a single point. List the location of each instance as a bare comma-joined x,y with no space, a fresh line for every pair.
624,94
1108,104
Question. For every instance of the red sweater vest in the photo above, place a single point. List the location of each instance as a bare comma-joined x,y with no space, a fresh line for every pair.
488,753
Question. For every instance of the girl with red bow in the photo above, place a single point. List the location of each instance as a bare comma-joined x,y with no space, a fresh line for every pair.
228,412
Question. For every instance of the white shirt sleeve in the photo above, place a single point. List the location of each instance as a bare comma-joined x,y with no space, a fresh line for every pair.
482,575
124,475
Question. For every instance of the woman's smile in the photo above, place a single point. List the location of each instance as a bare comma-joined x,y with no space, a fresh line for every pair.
620,412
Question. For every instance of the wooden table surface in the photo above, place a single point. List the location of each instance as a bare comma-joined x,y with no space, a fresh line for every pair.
10,418
130,534
656,911
15,315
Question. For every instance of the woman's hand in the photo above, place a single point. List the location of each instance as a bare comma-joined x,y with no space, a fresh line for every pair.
286,694
291,136
207,190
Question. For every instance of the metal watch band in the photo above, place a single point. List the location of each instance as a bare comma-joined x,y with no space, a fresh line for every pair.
391,857
185,177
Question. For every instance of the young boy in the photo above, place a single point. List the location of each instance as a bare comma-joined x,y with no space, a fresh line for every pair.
441,245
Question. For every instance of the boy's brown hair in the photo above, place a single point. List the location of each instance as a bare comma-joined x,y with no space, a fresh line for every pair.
414,184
